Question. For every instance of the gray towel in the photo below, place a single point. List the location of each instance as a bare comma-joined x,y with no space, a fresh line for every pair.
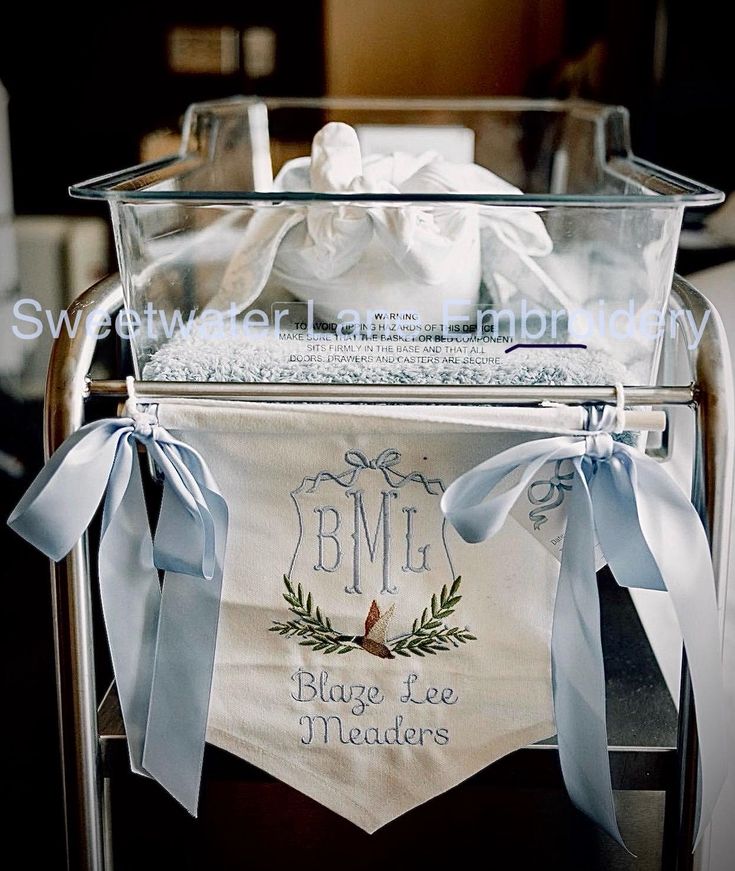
237,359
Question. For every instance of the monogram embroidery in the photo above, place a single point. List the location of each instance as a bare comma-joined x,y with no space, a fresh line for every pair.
349,532
349,537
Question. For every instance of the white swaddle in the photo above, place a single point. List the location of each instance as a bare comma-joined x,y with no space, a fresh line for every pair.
339,565
398,257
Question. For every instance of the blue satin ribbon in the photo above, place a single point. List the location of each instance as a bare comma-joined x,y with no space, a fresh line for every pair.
652,538
162,639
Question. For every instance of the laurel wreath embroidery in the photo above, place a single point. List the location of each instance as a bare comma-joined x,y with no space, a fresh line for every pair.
429,632
311,624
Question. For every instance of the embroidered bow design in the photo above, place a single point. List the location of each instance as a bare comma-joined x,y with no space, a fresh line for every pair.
555,485
385,460
385,463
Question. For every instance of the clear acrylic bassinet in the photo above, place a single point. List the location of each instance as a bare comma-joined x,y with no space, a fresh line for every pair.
398,258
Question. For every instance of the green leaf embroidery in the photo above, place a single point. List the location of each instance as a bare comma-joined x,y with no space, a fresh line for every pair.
311,624
428,632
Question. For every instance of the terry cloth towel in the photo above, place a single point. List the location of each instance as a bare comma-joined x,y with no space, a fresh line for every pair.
393,256
339,562
195,357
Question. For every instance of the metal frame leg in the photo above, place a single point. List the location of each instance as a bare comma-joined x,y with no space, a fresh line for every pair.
712,492
72,606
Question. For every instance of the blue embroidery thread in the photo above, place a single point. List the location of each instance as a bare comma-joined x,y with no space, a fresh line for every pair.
555,490
358,463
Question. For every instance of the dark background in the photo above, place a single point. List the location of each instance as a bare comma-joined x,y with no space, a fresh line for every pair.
84,91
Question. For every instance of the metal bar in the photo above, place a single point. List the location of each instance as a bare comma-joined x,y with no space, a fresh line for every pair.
108,846
648,769
160,391
712,490
712,369
72,606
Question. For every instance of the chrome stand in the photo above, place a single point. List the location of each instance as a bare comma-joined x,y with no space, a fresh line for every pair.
83,740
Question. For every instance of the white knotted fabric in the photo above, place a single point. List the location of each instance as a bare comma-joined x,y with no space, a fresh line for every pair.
413,256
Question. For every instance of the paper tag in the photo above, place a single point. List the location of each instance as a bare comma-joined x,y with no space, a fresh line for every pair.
541,509
455,143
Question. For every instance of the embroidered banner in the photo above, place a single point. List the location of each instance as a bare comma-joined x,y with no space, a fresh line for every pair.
366,655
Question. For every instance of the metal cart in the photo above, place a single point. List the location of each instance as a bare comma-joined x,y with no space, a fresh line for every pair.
92,739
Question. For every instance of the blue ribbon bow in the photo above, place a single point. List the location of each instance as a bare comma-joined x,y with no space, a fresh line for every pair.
162,640
652,538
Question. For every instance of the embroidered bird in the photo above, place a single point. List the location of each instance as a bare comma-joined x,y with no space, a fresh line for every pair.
376,627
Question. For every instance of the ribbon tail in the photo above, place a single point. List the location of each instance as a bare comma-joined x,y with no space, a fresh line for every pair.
162,643
130,593
578,674
185,536
615,503
54,513
187,636
678,544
